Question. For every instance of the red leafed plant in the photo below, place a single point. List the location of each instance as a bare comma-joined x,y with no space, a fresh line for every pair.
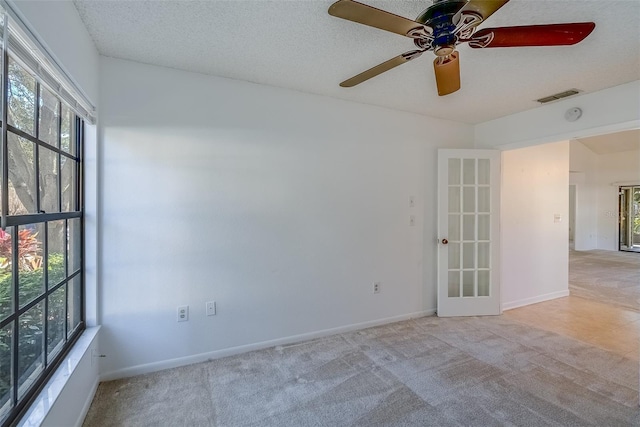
29,258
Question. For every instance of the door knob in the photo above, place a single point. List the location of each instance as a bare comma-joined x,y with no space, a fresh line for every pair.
445,241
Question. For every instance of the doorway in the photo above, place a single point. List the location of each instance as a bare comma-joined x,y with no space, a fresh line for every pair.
629,218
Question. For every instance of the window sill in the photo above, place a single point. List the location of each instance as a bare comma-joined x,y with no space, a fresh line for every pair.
47,398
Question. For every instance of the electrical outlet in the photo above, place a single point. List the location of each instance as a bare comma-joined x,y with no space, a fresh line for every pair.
183,313
377,286
211,308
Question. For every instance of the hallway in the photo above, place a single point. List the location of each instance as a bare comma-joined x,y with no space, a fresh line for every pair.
603,308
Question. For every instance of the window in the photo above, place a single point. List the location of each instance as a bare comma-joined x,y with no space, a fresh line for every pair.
41,264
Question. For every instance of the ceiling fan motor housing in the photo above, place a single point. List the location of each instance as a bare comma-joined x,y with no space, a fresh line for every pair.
439,17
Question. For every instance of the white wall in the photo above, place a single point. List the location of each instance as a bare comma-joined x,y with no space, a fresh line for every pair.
583,166
614,169
281,206
535,257
605,111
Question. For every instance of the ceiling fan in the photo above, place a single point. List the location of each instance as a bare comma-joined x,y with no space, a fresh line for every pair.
447,23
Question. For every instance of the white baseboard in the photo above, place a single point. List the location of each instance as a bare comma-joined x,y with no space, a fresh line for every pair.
217,354
538,298
87,404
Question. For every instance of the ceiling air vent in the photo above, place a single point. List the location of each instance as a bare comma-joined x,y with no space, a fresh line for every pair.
557,96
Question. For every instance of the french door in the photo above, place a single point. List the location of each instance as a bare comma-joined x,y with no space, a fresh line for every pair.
468,232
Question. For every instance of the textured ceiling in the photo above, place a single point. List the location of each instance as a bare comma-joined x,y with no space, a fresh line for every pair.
613,143
298,45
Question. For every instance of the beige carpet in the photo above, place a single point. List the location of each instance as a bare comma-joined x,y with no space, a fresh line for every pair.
611,277
488,371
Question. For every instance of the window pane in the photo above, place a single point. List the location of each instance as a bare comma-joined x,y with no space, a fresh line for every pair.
469,227
469,199
469,171
468,255
56,245
48,126
55,320
75,304
30,262
484,255
454,228
454,284
75,245
468,283
483,283
67,134
454,199
454,256
6,334
22,173
454,171
484,199
484,224
49,193
22,98
69,184
30,358
484,171
6,273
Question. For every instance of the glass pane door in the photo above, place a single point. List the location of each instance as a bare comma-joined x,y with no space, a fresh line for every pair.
468,209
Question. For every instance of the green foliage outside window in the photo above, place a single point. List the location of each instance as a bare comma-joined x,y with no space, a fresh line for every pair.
31,285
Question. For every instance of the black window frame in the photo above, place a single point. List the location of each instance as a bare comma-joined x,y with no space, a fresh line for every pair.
50,362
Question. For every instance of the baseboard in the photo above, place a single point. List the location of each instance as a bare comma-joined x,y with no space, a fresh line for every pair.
87,403
217,354
539,298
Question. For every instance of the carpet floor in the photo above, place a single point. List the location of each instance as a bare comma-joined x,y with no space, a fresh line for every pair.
473,371
607,276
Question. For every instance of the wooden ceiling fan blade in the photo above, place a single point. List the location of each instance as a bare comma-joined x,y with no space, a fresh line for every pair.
381,68
484,8
367,15
532,35
447,69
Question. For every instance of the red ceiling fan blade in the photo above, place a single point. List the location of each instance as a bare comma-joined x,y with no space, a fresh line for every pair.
532,35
